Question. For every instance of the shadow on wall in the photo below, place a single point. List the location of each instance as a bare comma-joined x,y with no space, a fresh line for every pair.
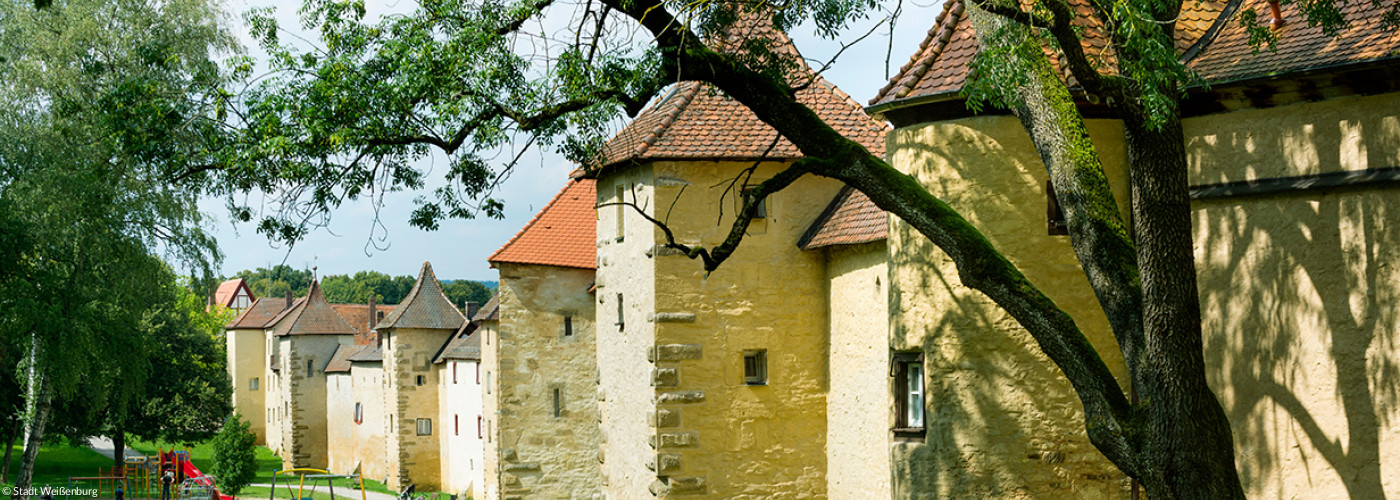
1002,421
1299,294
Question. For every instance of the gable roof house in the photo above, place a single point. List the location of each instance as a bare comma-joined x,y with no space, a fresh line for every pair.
1293,157
233,294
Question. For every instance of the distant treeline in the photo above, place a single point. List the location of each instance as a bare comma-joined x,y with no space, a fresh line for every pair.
356,288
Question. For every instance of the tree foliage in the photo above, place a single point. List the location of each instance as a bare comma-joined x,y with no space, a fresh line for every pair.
108,113
277,280
235,455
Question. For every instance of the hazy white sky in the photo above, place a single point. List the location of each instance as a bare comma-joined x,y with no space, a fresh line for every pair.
458,250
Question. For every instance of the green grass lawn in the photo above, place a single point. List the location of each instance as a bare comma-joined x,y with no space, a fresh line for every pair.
59,462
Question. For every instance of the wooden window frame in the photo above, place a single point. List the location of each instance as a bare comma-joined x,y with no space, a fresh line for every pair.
900,363
759,358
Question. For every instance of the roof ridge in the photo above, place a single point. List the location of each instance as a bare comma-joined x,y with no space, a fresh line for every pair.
423,288
533,220
943,33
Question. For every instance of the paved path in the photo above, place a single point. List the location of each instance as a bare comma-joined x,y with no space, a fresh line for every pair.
370,495
106,448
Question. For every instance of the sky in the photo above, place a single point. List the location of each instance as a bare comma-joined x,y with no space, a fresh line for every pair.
459,248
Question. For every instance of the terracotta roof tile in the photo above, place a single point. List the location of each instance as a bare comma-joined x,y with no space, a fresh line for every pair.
850,219
259,314
562,234
425,306
340,361
311,316
695,121
940,65
228,290
1300,47
358,316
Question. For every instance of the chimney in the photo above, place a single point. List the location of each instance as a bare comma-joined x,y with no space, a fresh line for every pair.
372,321
472,308
1277,21
289,300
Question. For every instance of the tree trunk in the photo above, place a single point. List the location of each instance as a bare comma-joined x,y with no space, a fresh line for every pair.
118,449
10,436
1189,447
43,404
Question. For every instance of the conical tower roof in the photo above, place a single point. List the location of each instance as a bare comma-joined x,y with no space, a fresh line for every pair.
312,316
425,306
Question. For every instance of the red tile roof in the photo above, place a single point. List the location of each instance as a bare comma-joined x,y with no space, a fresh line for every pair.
358,316
850,219
562,234
311,316
425,306
1300,47
694,121
940,66
227,290
258,315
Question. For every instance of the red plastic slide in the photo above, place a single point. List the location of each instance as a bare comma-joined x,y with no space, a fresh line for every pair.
189,471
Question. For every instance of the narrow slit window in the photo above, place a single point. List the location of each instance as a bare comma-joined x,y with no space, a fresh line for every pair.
456,430
568,326
620,322
420,380
359,413
558,402
756,367
309,371
621,212
454,372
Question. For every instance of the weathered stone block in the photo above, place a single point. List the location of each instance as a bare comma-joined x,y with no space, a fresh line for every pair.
521,466
686,485
680,397
664,418
673,317
665,464
508,454
665,377
685,439
674,352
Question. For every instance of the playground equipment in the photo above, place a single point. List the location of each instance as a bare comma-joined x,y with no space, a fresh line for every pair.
316,476
139,478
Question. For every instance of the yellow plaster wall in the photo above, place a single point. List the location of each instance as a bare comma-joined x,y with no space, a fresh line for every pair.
731,440
1002,420
340,422
625,370
540,455
247,359
369,452
410,458
1299,294
858,401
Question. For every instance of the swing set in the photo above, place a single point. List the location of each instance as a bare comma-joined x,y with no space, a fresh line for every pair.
317,477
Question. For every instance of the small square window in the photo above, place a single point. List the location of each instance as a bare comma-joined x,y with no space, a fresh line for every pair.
253,384
425,427
759,212
756,367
